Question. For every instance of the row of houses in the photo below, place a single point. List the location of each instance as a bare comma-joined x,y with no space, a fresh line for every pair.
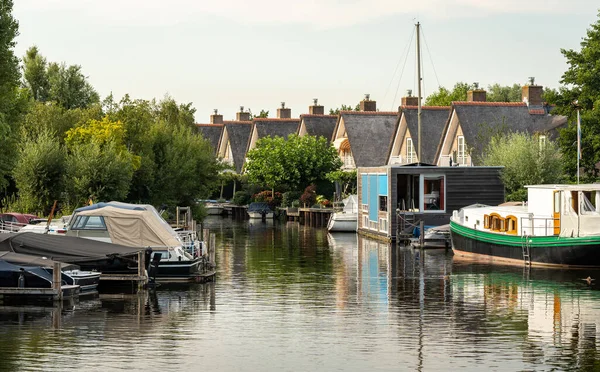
393,181
452,135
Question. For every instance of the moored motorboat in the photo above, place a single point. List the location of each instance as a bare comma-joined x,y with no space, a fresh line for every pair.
260,210
141,226
89,255
559,226
37,273
435,237
346,219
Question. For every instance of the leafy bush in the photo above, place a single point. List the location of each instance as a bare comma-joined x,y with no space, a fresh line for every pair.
241,198
289,197
296,204
274,200
309,197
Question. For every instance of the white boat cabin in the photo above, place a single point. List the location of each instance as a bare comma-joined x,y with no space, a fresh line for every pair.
551,210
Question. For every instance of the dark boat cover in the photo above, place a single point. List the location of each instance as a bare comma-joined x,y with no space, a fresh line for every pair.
35,276
27,260
86,253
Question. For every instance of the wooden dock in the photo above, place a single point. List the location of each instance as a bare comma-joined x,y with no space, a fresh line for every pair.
314,217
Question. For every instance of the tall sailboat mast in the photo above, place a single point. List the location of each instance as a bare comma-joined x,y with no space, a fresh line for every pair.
420,139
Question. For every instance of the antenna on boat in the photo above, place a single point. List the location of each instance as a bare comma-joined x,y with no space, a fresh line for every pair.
419,93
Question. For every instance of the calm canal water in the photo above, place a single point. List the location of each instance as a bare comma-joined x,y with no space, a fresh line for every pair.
291,298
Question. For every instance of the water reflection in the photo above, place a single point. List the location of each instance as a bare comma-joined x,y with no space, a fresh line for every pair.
289,297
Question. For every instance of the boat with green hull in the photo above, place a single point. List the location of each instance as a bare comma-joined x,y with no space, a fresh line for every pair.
559,226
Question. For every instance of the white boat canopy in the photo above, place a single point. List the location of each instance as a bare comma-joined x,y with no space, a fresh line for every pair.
136,228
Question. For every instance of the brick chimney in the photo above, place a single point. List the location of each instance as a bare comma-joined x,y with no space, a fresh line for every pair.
368,105
409,100
532,94
216,118
284,113
315,109
242,116
476,94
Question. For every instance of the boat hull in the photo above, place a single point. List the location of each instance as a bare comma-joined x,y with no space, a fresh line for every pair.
254,215
181,271
556,251
343,222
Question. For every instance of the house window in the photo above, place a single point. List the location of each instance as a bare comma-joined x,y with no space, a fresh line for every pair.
433,193
383,224
411,156
383,203
462,155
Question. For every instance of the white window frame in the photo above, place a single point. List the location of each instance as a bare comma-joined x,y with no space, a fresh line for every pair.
461,154
411,156
422,193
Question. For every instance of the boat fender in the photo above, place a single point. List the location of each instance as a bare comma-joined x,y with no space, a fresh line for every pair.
21,281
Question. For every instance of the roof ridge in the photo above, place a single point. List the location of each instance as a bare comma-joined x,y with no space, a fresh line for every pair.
237,121
410,107
370,112
318,115
492,104
276,119
208,125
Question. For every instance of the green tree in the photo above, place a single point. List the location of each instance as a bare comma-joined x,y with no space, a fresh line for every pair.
581,91
185,167
56,119
11,97
35,74
99,172
526,161
501,93
344,108
445,97
69,87
346,179
39,172
263,114
292,164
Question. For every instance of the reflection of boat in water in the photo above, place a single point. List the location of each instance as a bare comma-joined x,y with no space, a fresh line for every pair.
337,240
560,226
346,219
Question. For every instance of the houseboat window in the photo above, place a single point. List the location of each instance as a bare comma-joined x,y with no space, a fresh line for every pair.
511,225
411,155
462,156
575,201
486,221
588,202
383,203
89,223
433,189
497,222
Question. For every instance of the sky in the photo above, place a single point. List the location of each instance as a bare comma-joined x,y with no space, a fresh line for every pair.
230,53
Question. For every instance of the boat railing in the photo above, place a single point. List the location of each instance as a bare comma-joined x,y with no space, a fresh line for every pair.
537,226
10,227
